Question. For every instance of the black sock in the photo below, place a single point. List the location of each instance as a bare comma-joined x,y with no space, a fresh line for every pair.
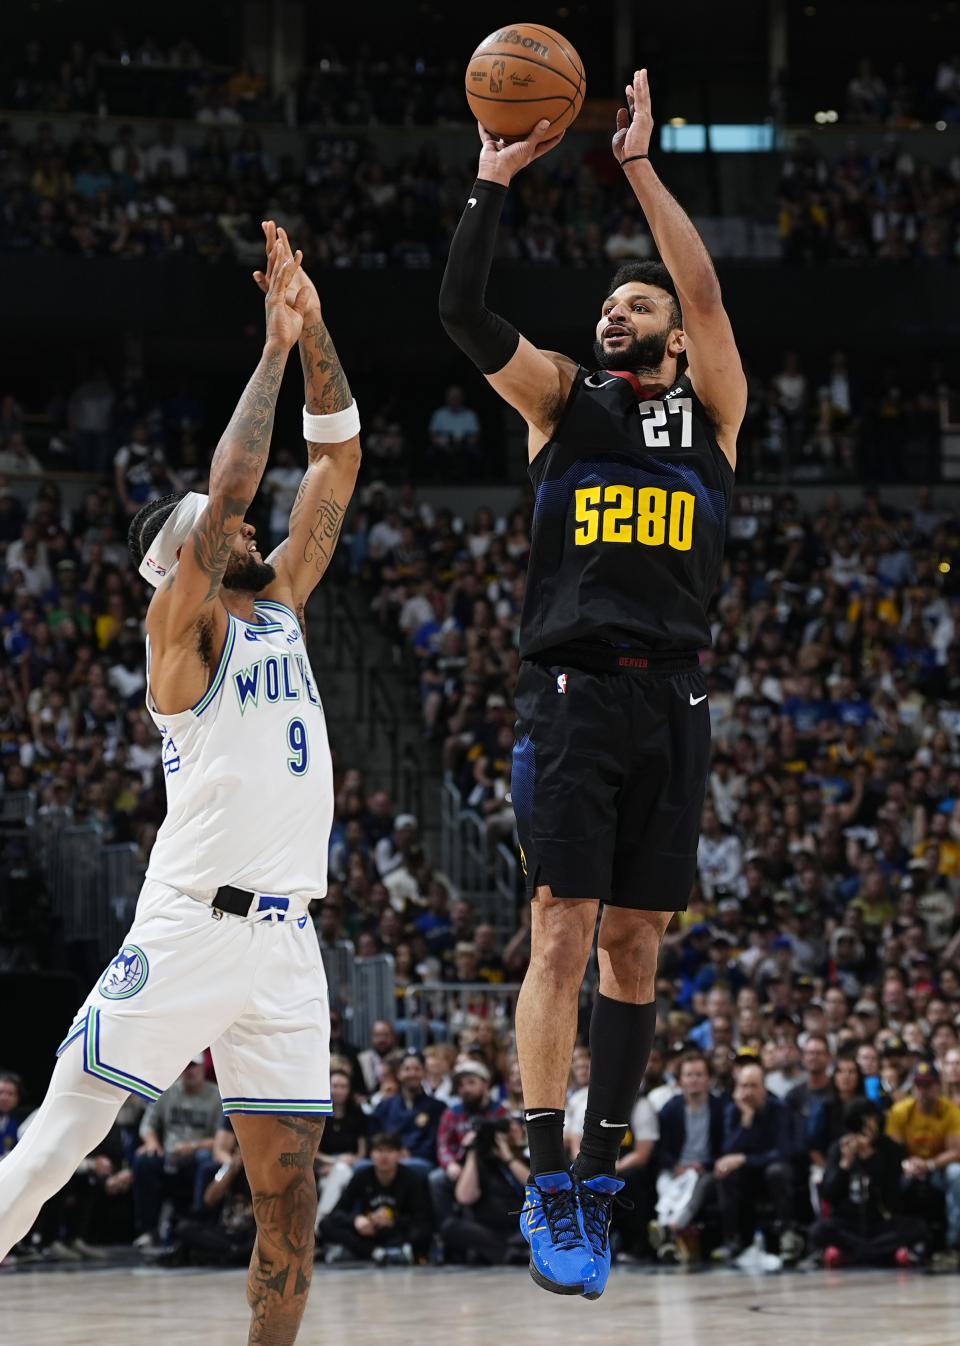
621,1035
545,1138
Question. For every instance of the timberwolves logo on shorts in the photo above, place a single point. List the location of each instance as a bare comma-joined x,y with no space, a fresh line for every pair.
126,975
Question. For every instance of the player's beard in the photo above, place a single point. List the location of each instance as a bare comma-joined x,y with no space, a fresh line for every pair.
248,574
641,355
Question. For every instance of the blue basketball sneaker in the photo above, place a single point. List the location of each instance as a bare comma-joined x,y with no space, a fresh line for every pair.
552,1224
596,1201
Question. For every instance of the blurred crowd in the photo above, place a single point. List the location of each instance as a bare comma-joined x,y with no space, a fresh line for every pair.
148,193
905,96
886,204
123,76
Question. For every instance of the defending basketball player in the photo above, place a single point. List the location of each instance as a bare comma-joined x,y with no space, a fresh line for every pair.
632,464
222,950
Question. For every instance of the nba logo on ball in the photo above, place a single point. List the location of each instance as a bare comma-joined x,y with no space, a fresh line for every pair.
561,683
126,975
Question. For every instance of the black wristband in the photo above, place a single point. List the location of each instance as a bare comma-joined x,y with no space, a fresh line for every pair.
633,158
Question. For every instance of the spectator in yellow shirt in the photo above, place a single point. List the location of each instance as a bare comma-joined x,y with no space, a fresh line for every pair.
948,851
927,1125
874,902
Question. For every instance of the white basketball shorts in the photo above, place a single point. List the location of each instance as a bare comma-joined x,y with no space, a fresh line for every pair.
252,988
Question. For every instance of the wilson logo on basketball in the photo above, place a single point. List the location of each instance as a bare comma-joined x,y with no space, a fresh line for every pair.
511,35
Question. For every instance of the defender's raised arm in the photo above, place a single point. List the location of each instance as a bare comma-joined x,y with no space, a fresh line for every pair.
331,428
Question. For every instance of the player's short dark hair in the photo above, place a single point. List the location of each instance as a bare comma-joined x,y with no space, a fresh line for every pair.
386,1140
147,522
649,273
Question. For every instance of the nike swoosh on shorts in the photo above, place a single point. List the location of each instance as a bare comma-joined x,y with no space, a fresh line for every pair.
695,700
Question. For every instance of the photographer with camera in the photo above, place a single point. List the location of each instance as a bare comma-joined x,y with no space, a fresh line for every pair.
489,1191
474,1105
862,1189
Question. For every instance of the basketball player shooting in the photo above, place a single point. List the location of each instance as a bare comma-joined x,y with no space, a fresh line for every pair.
222,950
632,465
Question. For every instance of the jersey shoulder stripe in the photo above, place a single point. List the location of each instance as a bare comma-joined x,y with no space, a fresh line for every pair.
280,607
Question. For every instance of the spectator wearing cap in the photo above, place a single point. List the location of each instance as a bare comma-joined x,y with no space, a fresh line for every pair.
412,1115
494,1175
384,1213
866,1224
866,1019
474,1105
755,1165
895,1070
391,852
927,1125
729,916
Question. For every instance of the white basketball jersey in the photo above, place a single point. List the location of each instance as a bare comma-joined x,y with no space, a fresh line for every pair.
248,772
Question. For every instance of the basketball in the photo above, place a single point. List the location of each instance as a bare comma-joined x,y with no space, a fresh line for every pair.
521,74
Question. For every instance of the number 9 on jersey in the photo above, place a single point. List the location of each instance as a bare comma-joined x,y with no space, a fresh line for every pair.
299,762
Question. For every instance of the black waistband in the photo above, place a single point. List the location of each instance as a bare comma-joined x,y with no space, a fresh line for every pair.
236,901
616,659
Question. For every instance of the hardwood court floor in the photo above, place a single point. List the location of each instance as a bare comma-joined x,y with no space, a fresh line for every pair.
427,1307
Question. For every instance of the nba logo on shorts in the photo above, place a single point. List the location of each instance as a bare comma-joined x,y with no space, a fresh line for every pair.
126,975
561,683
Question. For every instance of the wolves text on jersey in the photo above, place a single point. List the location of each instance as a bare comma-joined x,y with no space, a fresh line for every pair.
276,676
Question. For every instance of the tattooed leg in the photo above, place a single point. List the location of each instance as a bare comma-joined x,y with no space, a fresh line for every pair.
278,1154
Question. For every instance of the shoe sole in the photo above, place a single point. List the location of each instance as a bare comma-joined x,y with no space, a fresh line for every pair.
556,1287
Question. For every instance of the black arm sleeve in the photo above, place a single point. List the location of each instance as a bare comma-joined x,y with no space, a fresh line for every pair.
485,337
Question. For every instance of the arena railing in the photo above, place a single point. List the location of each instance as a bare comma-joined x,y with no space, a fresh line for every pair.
374,995
489,882
93,884
438,1011
373,699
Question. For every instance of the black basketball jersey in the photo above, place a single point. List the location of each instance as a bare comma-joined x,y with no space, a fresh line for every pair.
629,520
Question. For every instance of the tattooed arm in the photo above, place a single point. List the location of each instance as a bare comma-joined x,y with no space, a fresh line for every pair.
190,594
328,483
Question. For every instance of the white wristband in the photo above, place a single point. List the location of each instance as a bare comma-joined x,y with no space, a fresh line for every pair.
334,428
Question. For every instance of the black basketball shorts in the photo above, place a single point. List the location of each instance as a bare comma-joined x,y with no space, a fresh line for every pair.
609,775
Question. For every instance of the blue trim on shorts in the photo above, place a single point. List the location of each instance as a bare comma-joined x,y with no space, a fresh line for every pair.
94,1064
278,1107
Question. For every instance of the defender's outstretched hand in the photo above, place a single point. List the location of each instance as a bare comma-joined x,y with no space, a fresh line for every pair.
284,320
299,282
635,121
499,161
